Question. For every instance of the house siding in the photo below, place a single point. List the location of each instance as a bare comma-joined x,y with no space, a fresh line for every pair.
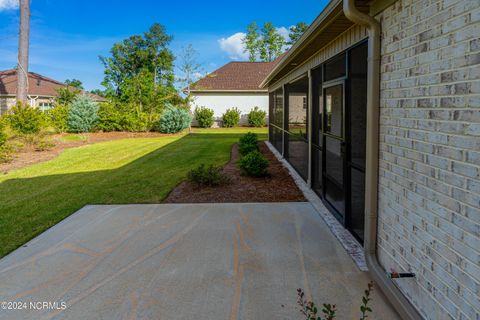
429,176
219,102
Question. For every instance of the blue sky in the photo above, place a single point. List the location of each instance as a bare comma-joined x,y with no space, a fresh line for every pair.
68,36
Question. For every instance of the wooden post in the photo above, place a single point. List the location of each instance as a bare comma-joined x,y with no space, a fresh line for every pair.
22,67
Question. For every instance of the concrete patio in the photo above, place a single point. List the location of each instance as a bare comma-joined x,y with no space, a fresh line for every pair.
198,261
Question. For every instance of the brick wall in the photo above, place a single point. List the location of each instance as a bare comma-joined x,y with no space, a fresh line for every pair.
429,194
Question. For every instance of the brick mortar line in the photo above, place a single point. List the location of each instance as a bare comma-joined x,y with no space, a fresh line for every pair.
440,193
421,264
446,245
448,222
420,283
436,131
463,162
440,144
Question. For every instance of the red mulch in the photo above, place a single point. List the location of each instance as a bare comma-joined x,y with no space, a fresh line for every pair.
28,156
278,187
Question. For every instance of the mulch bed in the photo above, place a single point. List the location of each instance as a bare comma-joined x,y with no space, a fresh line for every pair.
278,187
28,156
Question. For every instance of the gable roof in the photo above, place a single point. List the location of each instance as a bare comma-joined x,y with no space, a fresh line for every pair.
235,76
38,85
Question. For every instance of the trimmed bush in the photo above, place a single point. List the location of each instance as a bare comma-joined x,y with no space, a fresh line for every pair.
109,118
231,117
57,117
83,115
25,119
204,117
3,135
174,120
207,176
254,164
6,153
257,117
248,143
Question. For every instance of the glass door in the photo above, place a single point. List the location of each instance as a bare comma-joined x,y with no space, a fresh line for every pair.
334,147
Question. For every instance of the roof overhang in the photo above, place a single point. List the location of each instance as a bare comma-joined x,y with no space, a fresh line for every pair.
230,91
327,26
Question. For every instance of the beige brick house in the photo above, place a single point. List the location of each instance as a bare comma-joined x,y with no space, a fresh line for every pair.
41,90
391,141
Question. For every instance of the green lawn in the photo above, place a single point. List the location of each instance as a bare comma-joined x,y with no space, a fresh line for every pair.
141,170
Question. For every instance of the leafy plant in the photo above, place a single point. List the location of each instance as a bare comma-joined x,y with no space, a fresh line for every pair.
25,119
207,176
310,310
254,164
57,117
174,120
3,135
204,117
231,117
83,115
44,145
248,143
109,118
6,153
257,117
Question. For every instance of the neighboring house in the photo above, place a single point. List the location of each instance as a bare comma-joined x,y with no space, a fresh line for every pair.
390,140
41,90
236,84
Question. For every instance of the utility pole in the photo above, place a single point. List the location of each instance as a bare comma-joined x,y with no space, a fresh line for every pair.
22,67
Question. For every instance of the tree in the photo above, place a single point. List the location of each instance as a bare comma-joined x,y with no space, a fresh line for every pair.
251,41
66,95
189,68
22,70
272,43
74,83
296,31
141,65
99,92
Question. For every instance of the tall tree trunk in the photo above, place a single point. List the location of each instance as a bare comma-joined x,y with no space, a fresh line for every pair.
22,67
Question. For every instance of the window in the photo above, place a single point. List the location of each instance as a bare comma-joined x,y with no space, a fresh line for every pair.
334,110
336,68
45,106
297,107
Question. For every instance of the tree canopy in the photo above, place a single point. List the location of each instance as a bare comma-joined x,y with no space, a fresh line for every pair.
75,83
140,69
268,43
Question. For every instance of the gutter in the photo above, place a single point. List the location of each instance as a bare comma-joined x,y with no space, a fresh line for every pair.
404,308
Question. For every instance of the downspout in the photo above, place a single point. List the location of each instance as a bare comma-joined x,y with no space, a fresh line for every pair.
393,294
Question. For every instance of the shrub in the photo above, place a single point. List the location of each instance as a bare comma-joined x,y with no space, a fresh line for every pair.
257,117
207,176
3,135
248,143
174,120
6,153
26,120
204,117
231,117
57,117
44,145
109,118
83,115
254,164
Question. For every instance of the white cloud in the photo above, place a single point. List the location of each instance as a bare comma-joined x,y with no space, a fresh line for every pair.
8,4
283,31
234,46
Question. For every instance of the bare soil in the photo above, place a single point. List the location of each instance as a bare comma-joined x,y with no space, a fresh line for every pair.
277,187
28,155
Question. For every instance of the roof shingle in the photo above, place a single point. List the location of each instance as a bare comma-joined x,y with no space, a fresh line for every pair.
235,76
38,85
